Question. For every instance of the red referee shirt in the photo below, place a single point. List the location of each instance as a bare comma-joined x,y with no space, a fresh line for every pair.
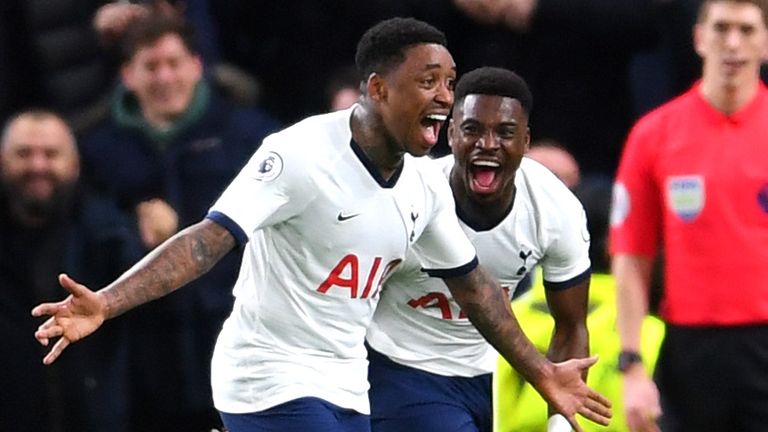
697,180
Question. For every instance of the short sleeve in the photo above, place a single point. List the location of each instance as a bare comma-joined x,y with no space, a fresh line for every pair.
636,206
443,248
273,186
566,261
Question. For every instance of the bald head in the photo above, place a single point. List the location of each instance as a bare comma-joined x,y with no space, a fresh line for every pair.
38,161
558,160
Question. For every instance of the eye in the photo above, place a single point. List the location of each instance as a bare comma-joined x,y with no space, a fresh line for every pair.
470,129
52,153
506,132
747,30
720,27
23,153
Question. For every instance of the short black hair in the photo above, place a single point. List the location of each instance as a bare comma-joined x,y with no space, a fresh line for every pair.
495,81
704,8
147,30
383,46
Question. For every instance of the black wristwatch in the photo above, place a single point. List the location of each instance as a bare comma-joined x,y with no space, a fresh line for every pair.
628,358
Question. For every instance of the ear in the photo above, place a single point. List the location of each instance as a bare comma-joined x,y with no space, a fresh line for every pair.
527,139
765,50
197,64
697,40
450,131
376,87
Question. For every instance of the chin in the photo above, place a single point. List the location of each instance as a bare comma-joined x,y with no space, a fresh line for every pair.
483,196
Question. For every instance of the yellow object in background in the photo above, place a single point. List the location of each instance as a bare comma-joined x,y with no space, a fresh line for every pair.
519,408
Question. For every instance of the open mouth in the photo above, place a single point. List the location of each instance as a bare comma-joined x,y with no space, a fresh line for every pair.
430,127
484,175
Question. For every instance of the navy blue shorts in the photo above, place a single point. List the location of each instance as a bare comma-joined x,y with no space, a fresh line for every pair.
299,415
405,399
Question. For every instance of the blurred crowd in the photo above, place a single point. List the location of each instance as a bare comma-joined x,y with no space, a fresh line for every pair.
123,122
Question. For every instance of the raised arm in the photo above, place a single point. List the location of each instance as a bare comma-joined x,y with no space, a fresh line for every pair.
181,259
560,384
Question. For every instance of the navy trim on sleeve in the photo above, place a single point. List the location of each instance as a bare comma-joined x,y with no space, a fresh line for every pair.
559,286
231,226
454,272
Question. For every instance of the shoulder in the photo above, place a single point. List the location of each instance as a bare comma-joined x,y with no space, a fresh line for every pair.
549,196
432,172
658,119
307,145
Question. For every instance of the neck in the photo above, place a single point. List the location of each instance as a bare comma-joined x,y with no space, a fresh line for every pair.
369,133
728,98
156,121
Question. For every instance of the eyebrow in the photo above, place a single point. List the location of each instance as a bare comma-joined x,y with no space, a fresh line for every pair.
430,66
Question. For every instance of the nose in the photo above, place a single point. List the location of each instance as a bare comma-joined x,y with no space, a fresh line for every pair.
487,140
38,162
733,39
444,94
164,73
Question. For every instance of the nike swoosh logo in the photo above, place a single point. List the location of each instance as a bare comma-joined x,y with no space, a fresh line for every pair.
342,217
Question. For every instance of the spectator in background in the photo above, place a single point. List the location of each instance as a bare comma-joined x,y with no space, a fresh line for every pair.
558,160
343,89
50,224
694,174
169,147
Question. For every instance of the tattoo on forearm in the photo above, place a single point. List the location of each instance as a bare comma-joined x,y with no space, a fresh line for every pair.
185,257
486,305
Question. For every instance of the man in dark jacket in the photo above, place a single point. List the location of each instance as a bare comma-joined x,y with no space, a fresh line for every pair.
171,145
49,225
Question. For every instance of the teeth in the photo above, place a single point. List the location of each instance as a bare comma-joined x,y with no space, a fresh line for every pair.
437,117
489,164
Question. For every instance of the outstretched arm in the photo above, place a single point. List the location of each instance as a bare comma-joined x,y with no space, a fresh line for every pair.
181,259
560,384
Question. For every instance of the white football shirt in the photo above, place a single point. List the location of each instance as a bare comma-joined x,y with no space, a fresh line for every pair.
418,323
323,231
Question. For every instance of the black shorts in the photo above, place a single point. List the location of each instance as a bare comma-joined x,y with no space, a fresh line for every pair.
714,379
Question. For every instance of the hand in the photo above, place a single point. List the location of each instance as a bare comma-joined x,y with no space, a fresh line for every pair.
111,20
71,319
157,222
515,14
518,14
641,400
567,394
487,12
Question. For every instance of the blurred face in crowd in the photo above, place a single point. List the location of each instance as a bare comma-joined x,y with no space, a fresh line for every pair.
415,97
488,137
163,77
557,160
732,40
39,164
